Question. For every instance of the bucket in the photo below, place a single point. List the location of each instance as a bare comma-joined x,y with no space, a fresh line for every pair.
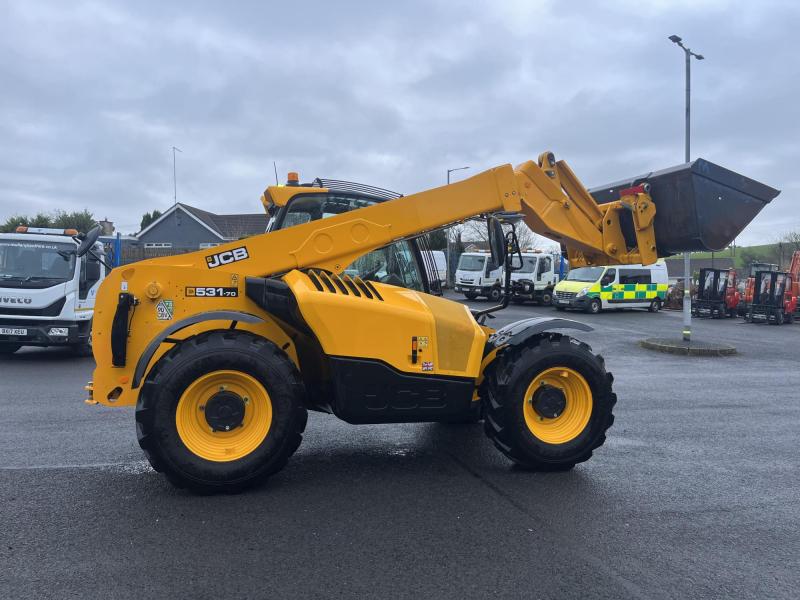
700,206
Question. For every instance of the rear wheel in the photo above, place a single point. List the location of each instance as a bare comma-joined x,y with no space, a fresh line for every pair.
655,305
221,412
495,294
549,404
546,298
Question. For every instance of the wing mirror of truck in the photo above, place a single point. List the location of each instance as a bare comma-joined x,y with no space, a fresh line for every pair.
497,242
88,241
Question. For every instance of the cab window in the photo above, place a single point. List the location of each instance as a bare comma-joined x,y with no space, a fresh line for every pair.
609,277
395,264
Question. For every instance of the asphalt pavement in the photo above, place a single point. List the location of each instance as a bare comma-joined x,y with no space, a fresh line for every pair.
696,493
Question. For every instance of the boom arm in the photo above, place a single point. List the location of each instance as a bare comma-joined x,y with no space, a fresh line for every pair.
551,199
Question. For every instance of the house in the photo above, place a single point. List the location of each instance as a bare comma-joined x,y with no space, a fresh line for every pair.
185,228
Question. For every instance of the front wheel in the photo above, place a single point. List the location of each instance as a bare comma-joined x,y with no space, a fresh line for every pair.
495,294
655,305
221,412
470,295
546,299
549,404
595,306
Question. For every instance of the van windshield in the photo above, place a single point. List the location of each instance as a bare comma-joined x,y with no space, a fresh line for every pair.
471,263
25,263
587,274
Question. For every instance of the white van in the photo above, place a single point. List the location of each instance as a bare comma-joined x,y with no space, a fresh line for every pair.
593,289
435,267
475,276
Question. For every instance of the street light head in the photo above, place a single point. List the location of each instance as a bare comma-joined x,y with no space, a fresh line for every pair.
699,57
675,39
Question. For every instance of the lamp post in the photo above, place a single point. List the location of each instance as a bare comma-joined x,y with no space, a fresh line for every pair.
687,274
174,175
447,233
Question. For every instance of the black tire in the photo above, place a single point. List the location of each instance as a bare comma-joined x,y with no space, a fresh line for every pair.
470,295
778,318
212,351
495,294
595,306
546,299
9,349
504,393
655,305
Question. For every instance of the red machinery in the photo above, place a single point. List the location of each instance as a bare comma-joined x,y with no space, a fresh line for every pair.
717,295
749,284
794,271
774,298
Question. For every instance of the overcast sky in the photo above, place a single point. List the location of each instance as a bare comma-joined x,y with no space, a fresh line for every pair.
95,94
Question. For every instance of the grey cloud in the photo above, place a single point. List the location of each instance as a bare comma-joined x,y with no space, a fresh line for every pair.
95,95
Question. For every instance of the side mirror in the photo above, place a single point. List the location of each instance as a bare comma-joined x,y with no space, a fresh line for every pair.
497,242
88,241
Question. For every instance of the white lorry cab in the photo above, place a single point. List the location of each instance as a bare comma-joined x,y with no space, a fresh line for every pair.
593,289
477,276
47,291
537,276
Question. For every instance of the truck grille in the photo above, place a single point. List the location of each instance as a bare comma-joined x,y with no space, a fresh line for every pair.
566,295
53,310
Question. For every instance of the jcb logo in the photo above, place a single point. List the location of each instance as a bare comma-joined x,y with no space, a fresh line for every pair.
227,257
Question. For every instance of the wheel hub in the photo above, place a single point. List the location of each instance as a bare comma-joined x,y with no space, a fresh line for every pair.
549,401
224,411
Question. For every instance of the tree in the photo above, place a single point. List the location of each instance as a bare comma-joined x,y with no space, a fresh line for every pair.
81,220
437,239
148,218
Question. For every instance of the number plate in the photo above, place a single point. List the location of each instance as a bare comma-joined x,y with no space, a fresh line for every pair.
12,331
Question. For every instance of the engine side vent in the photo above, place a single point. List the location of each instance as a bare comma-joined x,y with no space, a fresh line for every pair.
345,285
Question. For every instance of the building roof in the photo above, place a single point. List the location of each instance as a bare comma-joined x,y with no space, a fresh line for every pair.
227,227
675,265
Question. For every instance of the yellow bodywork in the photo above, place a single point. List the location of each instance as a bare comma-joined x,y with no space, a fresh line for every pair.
548,195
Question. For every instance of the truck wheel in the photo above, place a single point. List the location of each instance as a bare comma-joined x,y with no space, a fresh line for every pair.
779,318
549,404
470,295
655,305
221,412
9,349
595,306
495,294
546,299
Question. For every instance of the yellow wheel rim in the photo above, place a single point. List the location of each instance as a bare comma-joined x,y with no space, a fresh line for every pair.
577,409
223,446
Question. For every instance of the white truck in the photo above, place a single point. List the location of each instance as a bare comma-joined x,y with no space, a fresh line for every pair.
536,277
48,282
477,276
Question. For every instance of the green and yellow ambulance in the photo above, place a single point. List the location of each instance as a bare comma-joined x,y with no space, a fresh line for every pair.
593,289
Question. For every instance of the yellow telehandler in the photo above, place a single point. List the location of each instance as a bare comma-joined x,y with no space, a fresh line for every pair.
223,351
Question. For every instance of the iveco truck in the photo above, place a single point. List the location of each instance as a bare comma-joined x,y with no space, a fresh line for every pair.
47,291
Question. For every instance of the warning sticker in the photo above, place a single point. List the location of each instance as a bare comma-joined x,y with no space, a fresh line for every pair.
427,365
422,341
164,310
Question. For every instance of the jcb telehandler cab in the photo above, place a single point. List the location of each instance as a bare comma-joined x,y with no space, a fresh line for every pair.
224,350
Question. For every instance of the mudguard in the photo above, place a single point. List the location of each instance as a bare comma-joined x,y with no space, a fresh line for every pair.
519,332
